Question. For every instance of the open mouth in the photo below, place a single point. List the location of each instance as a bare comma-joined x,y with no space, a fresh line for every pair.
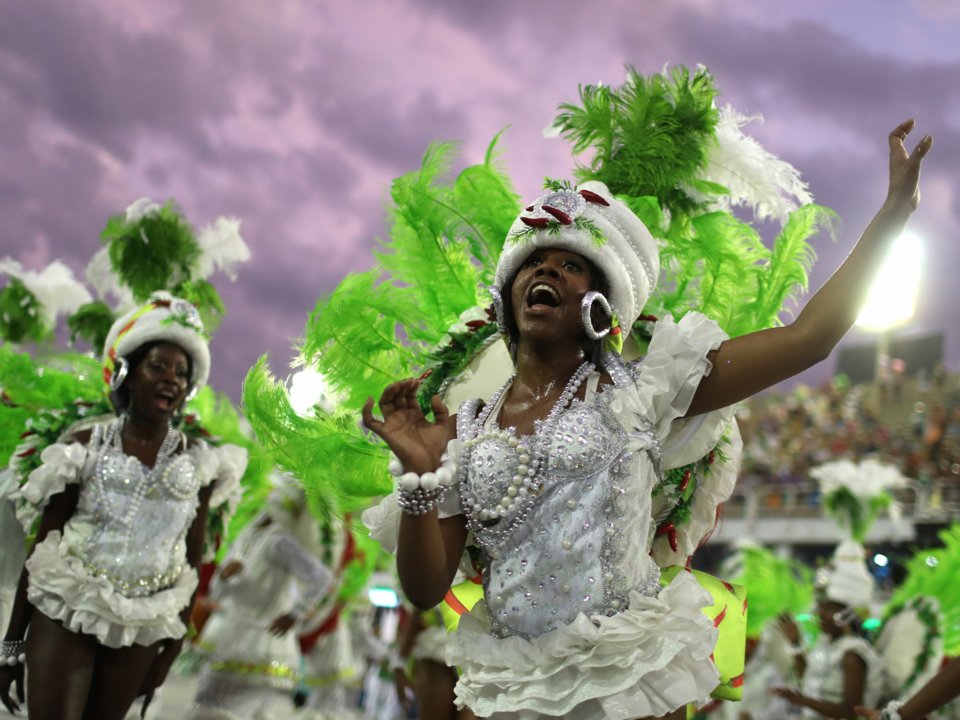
165,399
543,295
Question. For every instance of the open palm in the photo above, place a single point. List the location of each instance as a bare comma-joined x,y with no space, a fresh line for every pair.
417,442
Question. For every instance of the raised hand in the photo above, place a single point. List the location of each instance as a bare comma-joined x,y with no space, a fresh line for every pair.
417,442
904,190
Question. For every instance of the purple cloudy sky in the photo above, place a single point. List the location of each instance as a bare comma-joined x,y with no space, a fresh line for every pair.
294,116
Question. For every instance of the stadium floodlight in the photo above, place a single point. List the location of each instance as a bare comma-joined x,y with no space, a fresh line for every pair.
893,295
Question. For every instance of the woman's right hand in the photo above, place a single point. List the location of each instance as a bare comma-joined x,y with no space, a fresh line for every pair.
10,675
418,443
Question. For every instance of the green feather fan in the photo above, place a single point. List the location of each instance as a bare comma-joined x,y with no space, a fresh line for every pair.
336,463
379,326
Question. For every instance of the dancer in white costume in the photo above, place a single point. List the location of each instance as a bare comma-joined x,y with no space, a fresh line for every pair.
271,576
843,670
553,478
108,586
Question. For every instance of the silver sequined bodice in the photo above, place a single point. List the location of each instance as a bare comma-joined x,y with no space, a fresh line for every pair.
584,544
140,523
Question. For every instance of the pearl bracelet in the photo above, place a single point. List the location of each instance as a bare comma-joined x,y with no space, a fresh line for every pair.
419,494
12,652
429,481
891,711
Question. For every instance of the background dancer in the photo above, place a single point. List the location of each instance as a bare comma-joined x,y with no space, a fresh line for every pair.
107,588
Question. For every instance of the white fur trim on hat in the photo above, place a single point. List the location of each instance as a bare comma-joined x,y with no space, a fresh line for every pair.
164,318
848,580
628,255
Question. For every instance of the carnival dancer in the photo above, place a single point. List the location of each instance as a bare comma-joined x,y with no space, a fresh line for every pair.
271,576
843,670
107,588
553,478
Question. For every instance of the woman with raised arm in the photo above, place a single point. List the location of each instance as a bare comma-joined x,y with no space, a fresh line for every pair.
554,478
105,595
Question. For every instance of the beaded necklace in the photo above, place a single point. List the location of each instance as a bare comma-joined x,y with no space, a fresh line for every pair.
148,478
528,478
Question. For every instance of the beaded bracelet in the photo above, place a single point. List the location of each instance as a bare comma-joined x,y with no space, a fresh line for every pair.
891,711
419,494
12,652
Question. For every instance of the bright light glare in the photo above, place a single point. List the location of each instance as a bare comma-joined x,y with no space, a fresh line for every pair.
383,597
307,388
893,295
881,560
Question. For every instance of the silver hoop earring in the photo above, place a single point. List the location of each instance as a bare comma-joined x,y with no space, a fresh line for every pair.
586,311
844,617
120,370
192,394
498,309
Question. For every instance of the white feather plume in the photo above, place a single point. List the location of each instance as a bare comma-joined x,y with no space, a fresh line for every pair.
222,248
55,287
771,187
106,282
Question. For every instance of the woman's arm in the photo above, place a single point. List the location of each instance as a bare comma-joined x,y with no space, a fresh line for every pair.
745,365
57,512
429,549
941,689
854,685
55,516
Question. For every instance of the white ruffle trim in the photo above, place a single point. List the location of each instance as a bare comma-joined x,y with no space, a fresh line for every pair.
383,519
668,378
712,491
225,465
62,589
431,644
62,464
669,375
648,660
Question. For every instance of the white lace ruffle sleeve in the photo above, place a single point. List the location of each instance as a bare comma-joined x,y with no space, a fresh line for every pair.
666,381
62,464
383,519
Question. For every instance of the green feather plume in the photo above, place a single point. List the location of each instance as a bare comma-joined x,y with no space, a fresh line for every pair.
645,135
774,586
155,252
933,572
91,323
20,316
338,466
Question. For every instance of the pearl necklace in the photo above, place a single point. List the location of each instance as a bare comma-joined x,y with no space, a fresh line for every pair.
113,442
528,480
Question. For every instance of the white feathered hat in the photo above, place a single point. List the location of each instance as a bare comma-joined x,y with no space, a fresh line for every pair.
589,221
848,580
163,318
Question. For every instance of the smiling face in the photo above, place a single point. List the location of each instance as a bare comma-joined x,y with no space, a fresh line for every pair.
158,384
546,293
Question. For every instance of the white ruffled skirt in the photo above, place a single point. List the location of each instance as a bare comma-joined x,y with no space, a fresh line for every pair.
62,589
649,660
